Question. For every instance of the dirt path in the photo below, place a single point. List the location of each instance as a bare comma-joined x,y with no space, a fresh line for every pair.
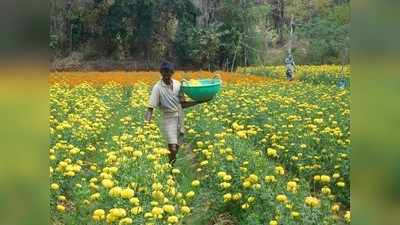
203,214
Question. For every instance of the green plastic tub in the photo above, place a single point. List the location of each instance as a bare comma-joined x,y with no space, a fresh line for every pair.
206,90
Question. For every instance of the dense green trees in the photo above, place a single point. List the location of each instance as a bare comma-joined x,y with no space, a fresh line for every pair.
208,34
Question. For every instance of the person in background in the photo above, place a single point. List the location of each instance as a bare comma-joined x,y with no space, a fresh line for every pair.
290,67
167,95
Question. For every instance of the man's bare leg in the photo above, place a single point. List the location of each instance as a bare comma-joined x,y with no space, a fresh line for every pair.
173,150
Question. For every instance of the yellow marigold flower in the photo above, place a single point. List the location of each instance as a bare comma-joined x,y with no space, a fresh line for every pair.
246,184
270,179
251,199
107,183
295,215
137,153
55,186
317,178
176,171
199,144
157,212
185,209
158,195
195,183
127,193
273,222
157,186
312,202
221,174
60,208
256,186
227,178
169,209
172,219
253,178
245,206
326,190
99,214
340,184
325,179
279,170
190,194
70,173
61,198
225,185
335,208
136,210
237,196
203,163
134,201
272,152
347,217
95,196
336,175
115,192
125,221
291,186
229,157
170,182
227,197
117,212
281,198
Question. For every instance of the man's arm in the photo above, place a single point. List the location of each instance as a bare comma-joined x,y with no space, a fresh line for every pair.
187,104
148,114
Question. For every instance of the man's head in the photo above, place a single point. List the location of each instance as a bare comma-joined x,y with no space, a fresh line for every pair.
166,70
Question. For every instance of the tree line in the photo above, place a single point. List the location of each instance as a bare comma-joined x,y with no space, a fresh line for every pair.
201,34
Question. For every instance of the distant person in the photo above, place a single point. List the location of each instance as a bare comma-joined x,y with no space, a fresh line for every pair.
168,96
290,67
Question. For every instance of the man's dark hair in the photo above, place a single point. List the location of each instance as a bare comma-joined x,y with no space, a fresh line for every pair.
166,66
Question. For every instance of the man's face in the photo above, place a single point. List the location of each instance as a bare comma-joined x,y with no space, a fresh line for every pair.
167,74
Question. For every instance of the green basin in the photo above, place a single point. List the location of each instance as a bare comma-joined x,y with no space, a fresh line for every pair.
207,89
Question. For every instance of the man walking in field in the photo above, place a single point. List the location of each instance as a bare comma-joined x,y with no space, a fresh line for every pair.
290,67
168,96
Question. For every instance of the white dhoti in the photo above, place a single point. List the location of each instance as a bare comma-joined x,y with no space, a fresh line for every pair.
173,128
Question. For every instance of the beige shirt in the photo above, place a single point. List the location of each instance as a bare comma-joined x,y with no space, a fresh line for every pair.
168,100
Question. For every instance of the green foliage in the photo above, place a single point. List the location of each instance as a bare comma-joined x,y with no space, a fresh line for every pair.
206,34
202,45
326,41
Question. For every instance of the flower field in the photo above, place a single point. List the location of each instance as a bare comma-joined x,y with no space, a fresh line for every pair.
323,74
265,151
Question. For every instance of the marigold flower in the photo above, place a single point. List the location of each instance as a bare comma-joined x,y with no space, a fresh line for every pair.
185,209
99,214
169,209
54,186
281,198
190,194
173,219
347,217
273,222
312,202
107,183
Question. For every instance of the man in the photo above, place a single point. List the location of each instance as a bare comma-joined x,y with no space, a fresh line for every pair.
290,67
168,96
